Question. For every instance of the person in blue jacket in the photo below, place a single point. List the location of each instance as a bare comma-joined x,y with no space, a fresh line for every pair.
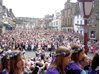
77,55
95,65
62,58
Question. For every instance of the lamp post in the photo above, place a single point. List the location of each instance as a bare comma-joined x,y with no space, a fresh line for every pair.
85,9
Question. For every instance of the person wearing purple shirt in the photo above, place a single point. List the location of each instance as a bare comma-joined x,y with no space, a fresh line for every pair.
62,58
77,55
52,71
95,65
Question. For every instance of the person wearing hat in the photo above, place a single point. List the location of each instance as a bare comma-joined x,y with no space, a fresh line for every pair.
62,58
17,62
77,56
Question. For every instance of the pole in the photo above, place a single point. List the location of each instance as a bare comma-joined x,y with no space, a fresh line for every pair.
85,35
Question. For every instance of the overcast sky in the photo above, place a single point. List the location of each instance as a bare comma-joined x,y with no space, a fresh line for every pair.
34,8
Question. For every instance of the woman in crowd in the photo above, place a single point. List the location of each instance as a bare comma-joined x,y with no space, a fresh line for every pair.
5,61
0,68
95,65
62,58
5,64
17,63
0,61
77,55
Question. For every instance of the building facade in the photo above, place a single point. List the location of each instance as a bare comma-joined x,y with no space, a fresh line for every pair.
67,15
55,24
6,18
47,19
94,22
78,24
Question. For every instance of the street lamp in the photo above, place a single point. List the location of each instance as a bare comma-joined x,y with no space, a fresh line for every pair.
85,9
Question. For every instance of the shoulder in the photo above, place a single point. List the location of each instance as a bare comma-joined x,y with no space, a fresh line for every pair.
73,66
52,71
91,71
83,72
4,72
26,73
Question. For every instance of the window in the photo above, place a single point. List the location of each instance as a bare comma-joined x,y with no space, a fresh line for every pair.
97,16
81,21
77,22
71,21
78,17
81,32
93,34
56,22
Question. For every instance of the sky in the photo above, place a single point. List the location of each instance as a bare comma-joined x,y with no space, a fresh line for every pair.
34,8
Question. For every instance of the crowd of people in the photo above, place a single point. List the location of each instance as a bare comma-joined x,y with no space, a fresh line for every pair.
75,62
67,53
61,61
48,40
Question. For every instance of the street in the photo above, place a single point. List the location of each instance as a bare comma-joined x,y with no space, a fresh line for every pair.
32,54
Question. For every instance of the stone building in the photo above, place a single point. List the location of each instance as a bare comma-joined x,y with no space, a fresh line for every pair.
1,2
94,22
67,16
78,21
47,19
55,24
6,18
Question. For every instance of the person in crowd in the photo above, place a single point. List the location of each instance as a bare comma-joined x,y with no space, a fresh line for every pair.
62,59
6,62
95,65
17,63
85,63
1,68
37,68
52,57
77,55
42,39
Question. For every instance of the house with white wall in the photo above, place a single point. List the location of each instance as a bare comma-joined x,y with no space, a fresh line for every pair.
55,24
79,24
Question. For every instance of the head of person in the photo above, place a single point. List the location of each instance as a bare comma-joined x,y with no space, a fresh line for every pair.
62,58
17,62
95,61
78,53
0,66
6,60
5,63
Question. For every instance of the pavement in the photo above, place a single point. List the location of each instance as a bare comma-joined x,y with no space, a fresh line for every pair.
29,54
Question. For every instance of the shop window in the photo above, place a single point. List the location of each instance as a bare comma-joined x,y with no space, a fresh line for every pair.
93,34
